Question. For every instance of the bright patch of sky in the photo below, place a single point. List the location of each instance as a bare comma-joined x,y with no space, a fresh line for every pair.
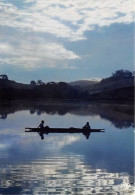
65,37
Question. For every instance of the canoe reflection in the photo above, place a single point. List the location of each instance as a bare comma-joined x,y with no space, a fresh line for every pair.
46,130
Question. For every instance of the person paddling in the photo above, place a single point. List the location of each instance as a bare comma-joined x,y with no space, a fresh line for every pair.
87,126
41,125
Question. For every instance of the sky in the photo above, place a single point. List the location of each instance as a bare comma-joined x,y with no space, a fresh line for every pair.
55,40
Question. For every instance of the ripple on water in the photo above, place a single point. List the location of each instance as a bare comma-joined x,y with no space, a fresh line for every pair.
65,174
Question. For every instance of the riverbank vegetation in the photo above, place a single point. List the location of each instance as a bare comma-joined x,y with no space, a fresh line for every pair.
119,86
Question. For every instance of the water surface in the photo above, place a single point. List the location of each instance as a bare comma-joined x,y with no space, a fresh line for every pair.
66,163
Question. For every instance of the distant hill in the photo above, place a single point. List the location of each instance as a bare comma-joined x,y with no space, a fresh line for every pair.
119,86
111,83
120,94
11,90
83,83
119,79
13,84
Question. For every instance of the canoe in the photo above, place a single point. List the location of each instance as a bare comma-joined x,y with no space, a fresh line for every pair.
62,130
47,130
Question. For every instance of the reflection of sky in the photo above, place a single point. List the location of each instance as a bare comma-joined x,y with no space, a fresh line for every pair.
102,163
60,175
120,115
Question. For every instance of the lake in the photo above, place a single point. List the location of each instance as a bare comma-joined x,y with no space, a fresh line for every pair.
66,163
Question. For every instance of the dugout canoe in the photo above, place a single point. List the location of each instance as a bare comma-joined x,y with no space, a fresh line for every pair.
62,130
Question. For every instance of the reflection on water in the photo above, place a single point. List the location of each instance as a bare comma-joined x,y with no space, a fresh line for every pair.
120,115
65,174
66,163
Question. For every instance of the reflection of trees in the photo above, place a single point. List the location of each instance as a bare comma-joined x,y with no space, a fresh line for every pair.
32,111
39,112
132,124
3,116
120,115
117,119
123,124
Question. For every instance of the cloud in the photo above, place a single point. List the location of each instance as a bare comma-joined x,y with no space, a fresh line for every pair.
62,20
3,146
57,142
93,79
66,19
34,52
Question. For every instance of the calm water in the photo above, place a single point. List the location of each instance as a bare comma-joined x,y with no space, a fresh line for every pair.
66,163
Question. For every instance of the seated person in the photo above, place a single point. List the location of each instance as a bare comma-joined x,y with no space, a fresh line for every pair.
87,126
41,125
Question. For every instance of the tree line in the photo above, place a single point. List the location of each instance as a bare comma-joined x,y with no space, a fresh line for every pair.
35,90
